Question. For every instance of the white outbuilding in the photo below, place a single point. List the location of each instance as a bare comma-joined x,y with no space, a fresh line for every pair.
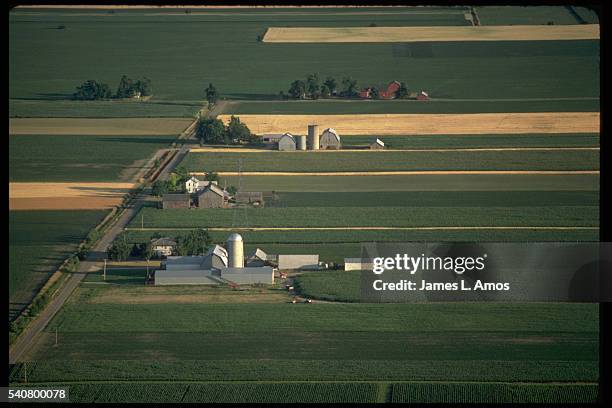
287,142
192,185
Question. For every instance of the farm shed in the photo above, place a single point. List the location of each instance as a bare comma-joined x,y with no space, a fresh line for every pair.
357,264
216,257
377,145
185,277
212,197
329,140
248,275
298,261
174,201
257,258
392,88
287,143
192,185
422,96
163,246
249,197
271,138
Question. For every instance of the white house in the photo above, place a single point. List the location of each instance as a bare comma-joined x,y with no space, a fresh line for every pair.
192,185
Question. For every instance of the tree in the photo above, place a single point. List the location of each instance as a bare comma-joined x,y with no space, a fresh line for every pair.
312,85
92,90
120,249
350,87
232,190
374,93
331,84
211,131
196,242
297,89
211,94
212,176
161,187
402,91
325,91
125,88
238,131
144,87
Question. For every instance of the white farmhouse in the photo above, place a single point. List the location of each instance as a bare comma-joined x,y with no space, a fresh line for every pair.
192,185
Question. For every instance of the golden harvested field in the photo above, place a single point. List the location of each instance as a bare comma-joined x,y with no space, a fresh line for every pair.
417,34
66,196
427,124
84,126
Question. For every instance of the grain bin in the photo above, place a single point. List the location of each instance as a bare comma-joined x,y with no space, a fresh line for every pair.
301,142
313,137
235,251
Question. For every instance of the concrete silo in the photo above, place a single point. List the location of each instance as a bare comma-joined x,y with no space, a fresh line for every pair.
301,142
235,251
313,137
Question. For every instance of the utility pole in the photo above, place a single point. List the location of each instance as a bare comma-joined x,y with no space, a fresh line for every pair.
56,336
104,269
141,221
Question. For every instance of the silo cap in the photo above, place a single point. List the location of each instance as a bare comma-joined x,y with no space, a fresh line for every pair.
234,237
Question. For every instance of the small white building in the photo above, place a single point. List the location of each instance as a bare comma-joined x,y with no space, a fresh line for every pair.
298,261
329,140
192,185
163,246
377,145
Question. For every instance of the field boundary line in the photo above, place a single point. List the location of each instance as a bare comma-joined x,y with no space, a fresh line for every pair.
403,173
369,228
460,149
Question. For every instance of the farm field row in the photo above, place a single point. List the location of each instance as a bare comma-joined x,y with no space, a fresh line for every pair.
39,242
431,34
86,158
65,108
97,126
428,124
45,64
66,196
336,392
527,216
389,160
490,15
492,105
426,182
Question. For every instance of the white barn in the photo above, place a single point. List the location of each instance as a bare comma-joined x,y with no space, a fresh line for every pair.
329,140
287,142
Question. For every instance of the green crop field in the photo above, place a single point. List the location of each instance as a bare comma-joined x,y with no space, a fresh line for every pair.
47,63
38,242
335,286
80,158
507,15
578,215
476,141
328,107
97,109
394,161
470,182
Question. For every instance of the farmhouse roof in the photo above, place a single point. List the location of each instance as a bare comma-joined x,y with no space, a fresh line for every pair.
176,197
193,179
379,142
333,132
164,241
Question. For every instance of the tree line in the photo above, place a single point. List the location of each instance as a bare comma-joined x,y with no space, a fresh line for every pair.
312,88
195,242
127,88
214,131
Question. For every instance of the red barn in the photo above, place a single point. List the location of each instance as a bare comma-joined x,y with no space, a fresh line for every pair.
392,88
422,96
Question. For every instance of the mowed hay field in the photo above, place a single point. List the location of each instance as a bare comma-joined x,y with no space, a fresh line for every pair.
427,124
89,126
418,34
66,196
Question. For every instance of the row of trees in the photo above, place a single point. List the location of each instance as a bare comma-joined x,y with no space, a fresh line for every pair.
128,88
213,131
195,242
312,88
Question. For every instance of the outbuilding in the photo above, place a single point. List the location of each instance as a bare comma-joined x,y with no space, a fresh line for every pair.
330,140
287,142
422,96
176,201
377,145
212,197
163,246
